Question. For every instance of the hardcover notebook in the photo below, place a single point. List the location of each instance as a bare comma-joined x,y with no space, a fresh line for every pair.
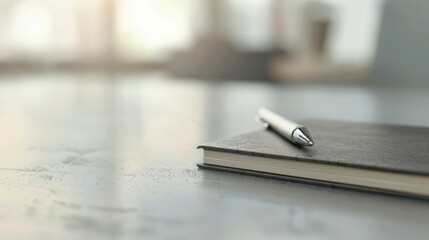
374,157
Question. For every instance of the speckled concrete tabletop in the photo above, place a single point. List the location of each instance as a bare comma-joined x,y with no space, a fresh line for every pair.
85,157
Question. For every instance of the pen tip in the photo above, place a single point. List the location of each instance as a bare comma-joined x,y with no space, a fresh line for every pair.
302,136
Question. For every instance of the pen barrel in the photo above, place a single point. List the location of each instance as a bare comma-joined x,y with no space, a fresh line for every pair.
279,124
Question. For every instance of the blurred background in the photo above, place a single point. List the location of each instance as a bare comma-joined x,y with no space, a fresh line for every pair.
285,41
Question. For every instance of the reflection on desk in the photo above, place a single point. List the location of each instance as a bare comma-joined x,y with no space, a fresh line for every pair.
83,157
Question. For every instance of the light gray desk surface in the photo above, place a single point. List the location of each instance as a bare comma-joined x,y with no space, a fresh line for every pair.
83,157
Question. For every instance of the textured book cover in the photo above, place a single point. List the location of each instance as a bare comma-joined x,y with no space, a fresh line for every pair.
387,148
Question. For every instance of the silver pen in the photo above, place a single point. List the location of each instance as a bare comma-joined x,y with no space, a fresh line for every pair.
290,130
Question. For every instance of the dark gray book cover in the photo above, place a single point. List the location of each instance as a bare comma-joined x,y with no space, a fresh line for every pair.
380,147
